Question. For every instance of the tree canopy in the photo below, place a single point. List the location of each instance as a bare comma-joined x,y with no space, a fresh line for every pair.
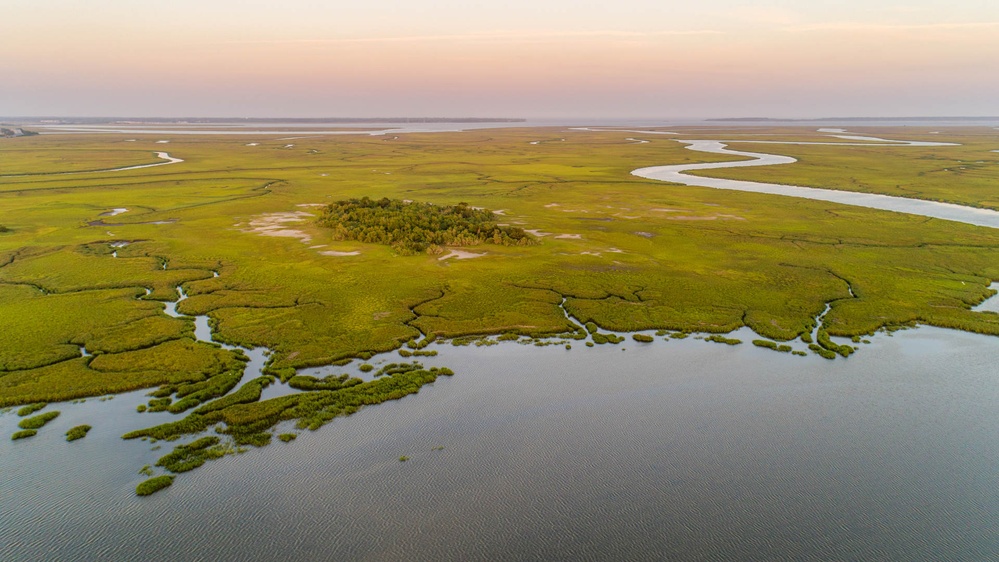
412,227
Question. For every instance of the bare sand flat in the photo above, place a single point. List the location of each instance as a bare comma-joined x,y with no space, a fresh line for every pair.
460,255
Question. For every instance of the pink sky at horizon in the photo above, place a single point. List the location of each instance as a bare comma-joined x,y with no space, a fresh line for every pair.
443,58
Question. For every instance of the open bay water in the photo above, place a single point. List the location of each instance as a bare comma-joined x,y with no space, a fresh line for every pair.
685,450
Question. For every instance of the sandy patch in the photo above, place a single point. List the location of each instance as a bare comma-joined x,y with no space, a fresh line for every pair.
570,236
289,146
637,141
500,212
662,210
706,218
550,205
460,255
311,205
590,254
273,224
335,253
253,144
162,142
615,250
114,212
536,232
645,234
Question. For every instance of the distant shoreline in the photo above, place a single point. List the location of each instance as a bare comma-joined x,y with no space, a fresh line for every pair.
240,120
849,119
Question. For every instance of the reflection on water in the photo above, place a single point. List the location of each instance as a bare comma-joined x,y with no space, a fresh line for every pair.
680,449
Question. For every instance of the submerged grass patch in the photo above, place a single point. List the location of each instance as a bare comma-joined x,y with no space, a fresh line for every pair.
248,422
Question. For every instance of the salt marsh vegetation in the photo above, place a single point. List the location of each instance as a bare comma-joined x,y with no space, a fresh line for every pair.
82,296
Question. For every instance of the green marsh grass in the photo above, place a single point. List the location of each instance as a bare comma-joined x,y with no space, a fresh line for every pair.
620,254
78,432
153,485
30,409
37,422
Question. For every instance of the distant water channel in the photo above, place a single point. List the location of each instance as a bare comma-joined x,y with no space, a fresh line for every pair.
674,450
676,173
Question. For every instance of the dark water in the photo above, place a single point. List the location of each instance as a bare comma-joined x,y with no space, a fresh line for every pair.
681,450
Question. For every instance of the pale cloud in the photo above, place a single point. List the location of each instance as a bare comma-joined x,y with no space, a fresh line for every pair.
884,27
493,36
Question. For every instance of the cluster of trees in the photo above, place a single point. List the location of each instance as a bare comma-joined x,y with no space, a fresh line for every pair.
413,228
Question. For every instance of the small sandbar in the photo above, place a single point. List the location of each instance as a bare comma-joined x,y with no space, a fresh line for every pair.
706,218
336,253
460,255
637,141
568,236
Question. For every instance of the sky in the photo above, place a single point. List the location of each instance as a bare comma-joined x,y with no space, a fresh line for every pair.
515,58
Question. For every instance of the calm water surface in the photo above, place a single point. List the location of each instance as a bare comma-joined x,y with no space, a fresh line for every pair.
682,450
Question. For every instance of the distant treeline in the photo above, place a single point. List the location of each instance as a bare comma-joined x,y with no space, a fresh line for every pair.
412,228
